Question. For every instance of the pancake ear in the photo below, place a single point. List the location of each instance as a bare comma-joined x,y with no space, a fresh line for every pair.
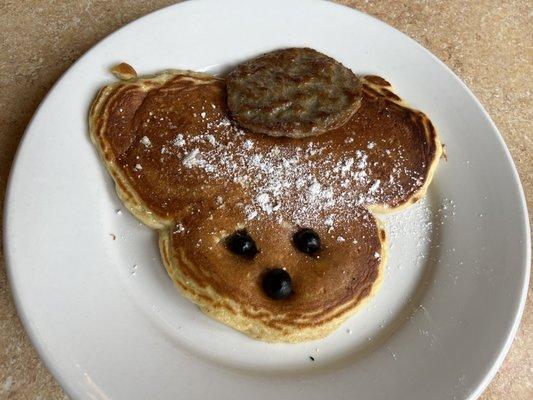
154,174
401,145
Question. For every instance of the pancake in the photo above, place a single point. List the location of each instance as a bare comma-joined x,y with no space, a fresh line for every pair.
185,168
296,92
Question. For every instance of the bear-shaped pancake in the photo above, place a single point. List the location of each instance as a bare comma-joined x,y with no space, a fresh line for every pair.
273,236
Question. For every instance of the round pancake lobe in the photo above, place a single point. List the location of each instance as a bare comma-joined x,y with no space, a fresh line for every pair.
184,167
296,92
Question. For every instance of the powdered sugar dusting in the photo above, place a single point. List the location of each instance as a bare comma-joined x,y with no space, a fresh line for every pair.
285,181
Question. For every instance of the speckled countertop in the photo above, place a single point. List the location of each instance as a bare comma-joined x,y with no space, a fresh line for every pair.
488,43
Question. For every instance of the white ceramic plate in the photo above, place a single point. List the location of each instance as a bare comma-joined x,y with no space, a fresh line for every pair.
109,324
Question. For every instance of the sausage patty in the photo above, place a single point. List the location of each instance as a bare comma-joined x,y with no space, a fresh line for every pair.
294,92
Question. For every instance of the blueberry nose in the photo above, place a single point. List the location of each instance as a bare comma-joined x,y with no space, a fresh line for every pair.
277,284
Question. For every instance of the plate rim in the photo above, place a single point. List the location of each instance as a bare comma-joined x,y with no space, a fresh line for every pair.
46,356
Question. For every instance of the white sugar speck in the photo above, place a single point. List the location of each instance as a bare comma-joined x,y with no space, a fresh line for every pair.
211,139
374,186
179,228
263,200
347,165
138,167
362,157
191,159
328,193
178,141
314,189
146,141
248,144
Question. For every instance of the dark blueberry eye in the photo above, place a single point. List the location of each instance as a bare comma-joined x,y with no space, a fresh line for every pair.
242,244
277,284
307,241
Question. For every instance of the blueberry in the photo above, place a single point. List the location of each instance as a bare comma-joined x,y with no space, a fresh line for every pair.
277,284
242,244
307,241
